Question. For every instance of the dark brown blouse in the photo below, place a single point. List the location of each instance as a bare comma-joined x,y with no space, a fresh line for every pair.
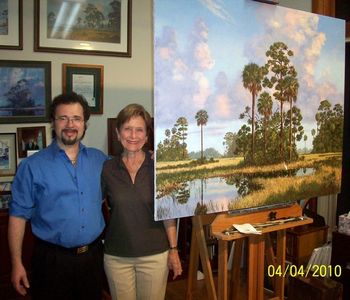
131,230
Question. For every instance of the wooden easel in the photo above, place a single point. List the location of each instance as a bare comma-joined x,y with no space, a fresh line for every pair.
199,250
256,252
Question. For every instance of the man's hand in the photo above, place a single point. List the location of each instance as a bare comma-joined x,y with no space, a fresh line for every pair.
19,279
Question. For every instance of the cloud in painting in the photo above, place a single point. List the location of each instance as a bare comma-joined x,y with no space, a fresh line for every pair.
217,8
300,32
195,70
183,73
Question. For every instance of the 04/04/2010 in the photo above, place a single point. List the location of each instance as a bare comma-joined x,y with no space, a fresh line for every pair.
312,270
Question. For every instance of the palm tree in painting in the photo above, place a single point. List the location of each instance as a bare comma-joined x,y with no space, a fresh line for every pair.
202,119
252,77
265,109
279,66
201,207
291,87
182,127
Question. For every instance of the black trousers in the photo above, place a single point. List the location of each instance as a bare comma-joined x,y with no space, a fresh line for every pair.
62,274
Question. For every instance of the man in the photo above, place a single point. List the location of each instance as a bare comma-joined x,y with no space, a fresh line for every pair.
58,191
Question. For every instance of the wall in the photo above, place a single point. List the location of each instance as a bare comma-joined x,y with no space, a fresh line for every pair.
305,5
126,80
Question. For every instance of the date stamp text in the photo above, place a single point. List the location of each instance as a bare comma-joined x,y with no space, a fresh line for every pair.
304,271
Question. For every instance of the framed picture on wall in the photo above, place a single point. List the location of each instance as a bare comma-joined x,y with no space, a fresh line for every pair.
92,27
25,91
5,197
5,186
86,80
11,25
30,138
8,156
114,146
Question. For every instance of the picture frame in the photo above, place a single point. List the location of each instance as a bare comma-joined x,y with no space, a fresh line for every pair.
11,28
86,80
107,32
8,156
29,139
5,197
25,91
115,147
5,186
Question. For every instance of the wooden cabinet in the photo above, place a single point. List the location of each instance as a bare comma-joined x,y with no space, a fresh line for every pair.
6,289
314,288
341,257
301,241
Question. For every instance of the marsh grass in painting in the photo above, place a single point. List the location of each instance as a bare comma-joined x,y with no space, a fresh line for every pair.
251,186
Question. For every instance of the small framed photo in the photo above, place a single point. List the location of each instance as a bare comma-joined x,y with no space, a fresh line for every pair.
30,139
5,197
5,186
11,24
92,27
8,156
86,80
25,91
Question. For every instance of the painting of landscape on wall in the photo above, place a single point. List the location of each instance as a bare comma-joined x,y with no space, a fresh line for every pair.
248,105
94,20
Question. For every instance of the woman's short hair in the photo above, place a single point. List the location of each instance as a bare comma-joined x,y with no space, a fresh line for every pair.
134,110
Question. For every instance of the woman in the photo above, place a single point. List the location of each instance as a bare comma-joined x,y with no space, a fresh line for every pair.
138,250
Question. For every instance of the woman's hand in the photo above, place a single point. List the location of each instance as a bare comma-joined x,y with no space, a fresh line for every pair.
174,262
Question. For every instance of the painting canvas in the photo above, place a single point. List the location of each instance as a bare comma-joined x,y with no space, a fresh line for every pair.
249,104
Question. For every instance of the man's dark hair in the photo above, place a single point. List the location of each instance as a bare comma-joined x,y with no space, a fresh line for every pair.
70,98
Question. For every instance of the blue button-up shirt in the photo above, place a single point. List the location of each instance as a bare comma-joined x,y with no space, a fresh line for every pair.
62,202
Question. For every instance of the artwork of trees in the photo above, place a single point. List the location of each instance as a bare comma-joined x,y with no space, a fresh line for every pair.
282,143
267,137
98,21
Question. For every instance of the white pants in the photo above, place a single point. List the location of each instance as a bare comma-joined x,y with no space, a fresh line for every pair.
137,278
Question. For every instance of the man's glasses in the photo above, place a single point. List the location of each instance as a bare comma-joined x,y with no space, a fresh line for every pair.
66,119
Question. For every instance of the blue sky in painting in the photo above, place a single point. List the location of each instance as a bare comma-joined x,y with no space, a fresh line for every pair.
202,46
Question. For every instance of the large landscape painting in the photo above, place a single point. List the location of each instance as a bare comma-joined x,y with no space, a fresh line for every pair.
248,105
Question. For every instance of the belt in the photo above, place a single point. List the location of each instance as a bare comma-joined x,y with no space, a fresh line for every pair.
74,250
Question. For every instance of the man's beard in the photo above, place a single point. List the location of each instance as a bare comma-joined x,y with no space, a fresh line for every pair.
70,141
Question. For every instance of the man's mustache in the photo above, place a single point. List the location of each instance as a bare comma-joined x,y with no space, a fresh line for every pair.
70,130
